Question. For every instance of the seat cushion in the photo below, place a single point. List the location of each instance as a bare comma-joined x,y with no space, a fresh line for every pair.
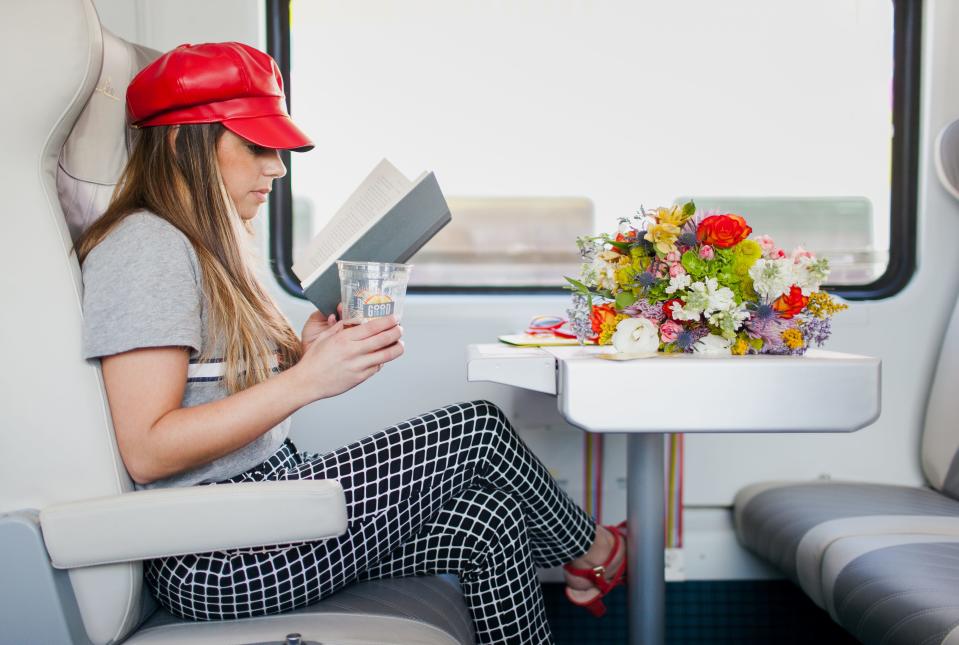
792,524
896,590
426,610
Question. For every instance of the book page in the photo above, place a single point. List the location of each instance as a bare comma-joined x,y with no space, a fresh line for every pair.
374,197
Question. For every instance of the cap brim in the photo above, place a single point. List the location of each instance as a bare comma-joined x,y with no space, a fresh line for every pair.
277,132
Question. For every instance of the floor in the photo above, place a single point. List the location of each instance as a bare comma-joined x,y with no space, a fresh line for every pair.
700,612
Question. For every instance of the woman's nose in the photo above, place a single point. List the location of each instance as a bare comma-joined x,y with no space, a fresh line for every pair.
275,167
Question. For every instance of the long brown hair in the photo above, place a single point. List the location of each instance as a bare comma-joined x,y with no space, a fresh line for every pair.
182,184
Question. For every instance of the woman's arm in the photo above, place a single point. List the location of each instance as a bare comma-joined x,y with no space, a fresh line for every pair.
157,438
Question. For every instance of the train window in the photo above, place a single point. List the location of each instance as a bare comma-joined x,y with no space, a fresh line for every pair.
546,121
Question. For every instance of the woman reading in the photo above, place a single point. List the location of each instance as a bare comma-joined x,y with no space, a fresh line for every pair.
203,371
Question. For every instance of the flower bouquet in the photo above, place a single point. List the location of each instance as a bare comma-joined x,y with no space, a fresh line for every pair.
675,280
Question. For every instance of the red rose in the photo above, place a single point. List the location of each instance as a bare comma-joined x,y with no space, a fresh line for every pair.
724,231
601,313
791,304
668,307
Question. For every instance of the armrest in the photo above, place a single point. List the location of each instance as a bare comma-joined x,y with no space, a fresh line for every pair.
175,521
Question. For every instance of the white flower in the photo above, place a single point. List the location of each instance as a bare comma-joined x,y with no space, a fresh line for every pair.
729,320
636,336
713,345
679,282
809,273
772,278
601,272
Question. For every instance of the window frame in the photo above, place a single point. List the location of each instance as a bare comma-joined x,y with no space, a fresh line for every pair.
907,48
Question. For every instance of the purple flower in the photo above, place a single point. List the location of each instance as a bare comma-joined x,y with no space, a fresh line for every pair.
815,330
646,309
579,320
689,337
766,325
687,239
646,279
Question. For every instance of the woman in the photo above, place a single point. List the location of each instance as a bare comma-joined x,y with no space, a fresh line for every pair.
203,372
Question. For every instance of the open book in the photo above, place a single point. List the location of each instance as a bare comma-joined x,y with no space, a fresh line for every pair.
388,218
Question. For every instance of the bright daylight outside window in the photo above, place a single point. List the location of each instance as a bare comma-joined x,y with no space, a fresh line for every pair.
546,121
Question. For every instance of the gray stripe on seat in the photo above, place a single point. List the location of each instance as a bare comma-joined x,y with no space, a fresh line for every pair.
774,522
901,595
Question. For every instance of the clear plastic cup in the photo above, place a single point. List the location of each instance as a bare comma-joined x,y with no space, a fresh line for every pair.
372,290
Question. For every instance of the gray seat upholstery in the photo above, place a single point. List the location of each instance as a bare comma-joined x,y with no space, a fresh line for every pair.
792,525
883,560
412,610
902,591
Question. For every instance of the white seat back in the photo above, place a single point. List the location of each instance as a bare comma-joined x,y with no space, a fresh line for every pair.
940,437
56,437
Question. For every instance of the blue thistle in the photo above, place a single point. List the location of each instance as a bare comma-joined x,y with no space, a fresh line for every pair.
686,339
646,279
688,239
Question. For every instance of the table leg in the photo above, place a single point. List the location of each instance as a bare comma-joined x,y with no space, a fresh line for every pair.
645,508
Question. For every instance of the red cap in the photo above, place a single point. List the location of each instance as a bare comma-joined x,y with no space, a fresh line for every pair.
228,83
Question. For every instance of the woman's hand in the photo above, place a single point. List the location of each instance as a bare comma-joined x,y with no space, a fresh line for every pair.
340,358
316,324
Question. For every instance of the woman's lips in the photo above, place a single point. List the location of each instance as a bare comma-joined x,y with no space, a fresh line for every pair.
261,195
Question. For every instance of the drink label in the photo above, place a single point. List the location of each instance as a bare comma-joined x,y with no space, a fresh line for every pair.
378,309
374,305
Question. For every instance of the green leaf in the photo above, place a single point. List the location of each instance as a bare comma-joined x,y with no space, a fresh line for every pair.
578,286
624,299
689,208
622,246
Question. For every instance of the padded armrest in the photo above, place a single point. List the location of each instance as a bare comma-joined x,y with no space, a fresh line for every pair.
195,519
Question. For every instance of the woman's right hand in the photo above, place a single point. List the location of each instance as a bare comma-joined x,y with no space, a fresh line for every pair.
340,358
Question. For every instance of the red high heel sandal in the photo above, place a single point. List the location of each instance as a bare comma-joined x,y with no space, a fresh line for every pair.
597,575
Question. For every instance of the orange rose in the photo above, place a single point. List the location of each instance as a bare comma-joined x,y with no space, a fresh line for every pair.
792,303
724,231
629,238
601,313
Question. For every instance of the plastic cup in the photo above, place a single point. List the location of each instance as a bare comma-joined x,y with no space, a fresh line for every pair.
372,290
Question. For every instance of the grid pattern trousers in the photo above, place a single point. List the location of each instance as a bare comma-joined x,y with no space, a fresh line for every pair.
454,490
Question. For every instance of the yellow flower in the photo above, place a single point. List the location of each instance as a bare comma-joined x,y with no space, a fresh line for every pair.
740,347
793,338
663,237
821,305
672,216
609,327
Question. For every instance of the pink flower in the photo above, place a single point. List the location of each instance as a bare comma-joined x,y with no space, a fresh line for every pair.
661,271
777,254
799,253
676,270
669,331
706,252
767,244
672,257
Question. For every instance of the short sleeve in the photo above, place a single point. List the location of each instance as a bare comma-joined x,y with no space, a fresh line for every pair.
141,288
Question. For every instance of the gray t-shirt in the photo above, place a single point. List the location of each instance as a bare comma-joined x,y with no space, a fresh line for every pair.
142,288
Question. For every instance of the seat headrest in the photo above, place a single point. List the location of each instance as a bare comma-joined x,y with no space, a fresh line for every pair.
946,154
97,148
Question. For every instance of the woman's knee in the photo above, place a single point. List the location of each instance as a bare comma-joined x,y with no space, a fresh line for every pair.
499,512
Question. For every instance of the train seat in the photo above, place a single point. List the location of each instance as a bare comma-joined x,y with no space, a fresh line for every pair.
73,531
881,559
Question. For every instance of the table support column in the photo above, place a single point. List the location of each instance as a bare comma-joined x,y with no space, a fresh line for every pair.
645,509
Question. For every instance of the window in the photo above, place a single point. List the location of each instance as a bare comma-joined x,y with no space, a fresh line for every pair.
545,121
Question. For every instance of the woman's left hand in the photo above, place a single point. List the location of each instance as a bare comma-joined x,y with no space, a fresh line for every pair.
316,324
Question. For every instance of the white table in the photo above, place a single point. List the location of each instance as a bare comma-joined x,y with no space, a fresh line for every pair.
819,392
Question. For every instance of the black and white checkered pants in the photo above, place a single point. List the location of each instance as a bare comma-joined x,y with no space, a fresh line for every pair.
452,491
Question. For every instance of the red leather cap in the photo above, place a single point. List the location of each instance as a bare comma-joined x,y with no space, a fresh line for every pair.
228,83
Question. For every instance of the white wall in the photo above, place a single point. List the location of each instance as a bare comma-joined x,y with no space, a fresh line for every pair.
905,331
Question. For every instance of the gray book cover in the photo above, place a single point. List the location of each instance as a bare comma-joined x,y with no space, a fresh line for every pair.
395,237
